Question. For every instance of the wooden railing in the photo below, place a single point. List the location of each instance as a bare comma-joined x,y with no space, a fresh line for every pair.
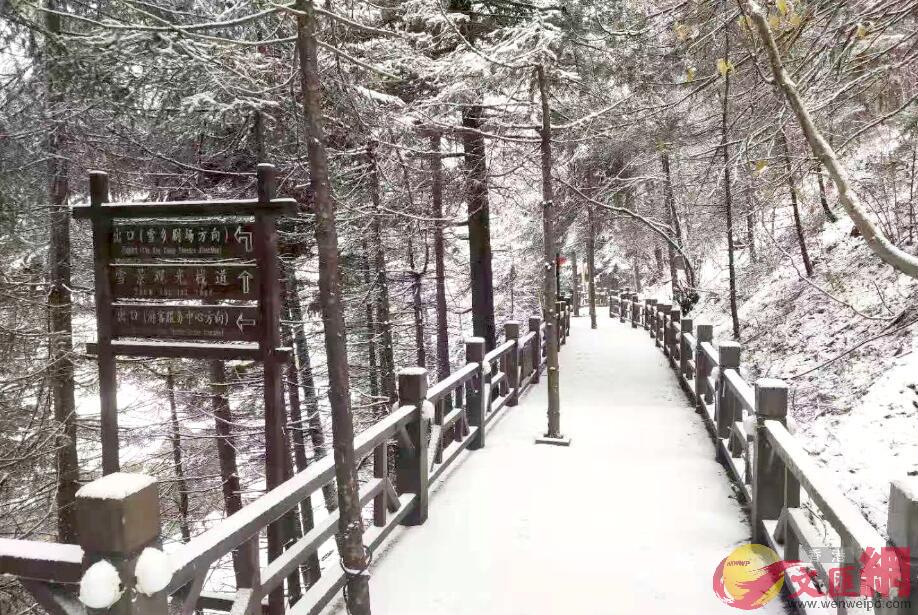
782,484
118,515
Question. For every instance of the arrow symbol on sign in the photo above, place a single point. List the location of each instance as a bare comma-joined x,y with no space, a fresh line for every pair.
246,278
242,323
243,237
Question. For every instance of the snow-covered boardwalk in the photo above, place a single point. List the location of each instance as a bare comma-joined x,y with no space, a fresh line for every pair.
633,517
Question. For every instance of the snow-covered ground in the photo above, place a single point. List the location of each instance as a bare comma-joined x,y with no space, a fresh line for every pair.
633,517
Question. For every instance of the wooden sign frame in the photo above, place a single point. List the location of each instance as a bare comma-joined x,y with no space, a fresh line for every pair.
258,324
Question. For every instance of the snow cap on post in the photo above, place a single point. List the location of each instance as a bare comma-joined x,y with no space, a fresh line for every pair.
118,513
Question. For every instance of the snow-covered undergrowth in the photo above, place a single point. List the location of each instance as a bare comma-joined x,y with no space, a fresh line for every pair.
842,341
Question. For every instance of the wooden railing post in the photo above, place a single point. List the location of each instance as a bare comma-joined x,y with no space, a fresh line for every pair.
535,325
117,518
512,369
635,312
567,319
624,306
684,355
478,396
705,333
660,324
413,475
902,526
650,318
728,357
768,475
672,336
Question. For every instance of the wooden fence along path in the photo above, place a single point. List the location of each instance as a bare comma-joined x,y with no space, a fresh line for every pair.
673,517
781,483
119,514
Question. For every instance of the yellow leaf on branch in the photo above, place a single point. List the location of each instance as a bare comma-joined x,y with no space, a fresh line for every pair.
783,6
724,66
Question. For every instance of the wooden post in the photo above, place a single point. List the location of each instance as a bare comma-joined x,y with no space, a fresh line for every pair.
413,470
650,317
768,476
902,525
663,310
684,357
635,311
624,303
728,357
478,396
672,336
108,383
117,518
704,333
535,325
512,369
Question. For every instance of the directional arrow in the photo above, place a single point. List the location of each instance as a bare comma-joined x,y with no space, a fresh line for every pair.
244,238
246,278
242,323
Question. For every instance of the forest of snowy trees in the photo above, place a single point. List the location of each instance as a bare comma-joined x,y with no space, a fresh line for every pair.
748,160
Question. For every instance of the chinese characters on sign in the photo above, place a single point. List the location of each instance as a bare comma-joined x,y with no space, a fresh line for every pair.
183,240
218,322
198,281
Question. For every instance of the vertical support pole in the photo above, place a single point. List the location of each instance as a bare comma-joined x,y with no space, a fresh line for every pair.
902,525
413,469
768,476
663,310
624,303
117,518
108,380
479,393
650,317
705,333
512,332
535,325
684,355
728,357
635,311
380,470
269,307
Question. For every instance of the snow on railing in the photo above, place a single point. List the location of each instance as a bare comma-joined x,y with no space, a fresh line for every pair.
118,515
753,437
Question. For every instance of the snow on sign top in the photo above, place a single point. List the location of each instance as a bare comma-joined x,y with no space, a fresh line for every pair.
115,486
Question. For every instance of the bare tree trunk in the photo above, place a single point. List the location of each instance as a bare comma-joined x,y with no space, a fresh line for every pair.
669,197
798,223
550,291
310,569
575,284
417,306
823,199
479,227
383,317
591,264
181,485
637,275
350,525
226,455
307,382
60,309
728,201
911,199
436,172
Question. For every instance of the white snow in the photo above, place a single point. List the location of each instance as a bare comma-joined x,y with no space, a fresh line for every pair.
633,517
100,586
428,410
115,486
486,368
412,371
153,571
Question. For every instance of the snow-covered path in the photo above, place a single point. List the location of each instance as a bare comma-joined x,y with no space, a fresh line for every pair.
633,517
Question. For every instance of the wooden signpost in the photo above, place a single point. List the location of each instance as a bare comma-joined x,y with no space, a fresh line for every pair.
193,279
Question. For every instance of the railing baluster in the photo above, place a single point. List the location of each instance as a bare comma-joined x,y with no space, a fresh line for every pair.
704,333
512,363
769,473
478,391
413,474
728,357
535,325
380,470
685,326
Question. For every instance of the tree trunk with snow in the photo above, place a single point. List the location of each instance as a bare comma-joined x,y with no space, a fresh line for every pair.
350,525
728,200
798,222
383,316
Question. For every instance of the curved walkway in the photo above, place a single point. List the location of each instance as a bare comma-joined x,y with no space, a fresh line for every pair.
633,517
